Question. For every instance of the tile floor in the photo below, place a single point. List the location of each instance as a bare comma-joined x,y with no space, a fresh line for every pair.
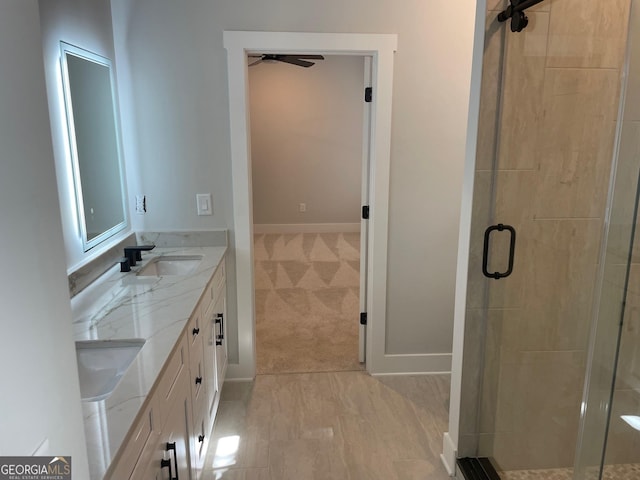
333,421
337,425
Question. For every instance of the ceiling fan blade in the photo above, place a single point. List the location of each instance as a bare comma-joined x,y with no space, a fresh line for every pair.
308,57
256,62
296,61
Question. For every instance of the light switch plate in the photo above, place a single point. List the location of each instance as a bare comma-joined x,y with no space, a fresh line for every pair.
203,204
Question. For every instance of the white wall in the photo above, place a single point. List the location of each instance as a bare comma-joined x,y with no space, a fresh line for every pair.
306,141
86,24
40,393
178,70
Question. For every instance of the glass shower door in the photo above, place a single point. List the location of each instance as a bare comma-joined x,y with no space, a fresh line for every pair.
609,445
549,108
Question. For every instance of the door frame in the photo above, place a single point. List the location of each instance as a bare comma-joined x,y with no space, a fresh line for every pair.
380,47
364,223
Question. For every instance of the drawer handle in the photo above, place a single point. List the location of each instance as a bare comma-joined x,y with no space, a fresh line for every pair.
198,380
220,321
167,463
195,331
200,438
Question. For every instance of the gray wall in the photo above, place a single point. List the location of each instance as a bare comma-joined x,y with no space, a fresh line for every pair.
306,141
41,396
174,55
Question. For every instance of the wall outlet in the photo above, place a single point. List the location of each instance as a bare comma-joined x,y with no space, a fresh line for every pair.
141,204
203,204
302,207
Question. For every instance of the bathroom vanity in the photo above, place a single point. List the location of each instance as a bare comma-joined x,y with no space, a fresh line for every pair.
150,402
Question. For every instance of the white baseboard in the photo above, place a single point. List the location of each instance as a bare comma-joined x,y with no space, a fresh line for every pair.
240,372
400,374
410,364
306,228
449,454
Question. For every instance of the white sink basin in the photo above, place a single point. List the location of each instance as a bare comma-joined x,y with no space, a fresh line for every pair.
171,265
101,364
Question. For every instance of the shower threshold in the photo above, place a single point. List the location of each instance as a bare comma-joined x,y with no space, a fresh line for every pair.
477,469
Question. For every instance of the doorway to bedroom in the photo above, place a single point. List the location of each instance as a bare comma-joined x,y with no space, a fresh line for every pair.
309,181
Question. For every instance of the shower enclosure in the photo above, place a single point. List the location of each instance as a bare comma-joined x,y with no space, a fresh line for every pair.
551,361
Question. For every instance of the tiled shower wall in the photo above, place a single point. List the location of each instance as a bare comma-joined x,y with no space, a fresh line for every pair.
543,165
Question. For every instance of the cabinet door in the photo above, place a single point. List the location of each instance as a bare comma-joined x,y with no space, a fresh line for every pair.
140,435
166,455
209,356
161,460
199,443
150,464
221,338
176,431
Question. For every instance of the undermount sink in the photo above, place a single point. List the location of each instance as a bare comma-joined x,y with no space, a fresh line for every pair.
171,265
101,365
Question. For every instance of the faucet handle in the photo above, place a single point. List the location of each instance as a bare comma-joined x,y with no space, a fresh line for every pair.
134,253
125,266
141,248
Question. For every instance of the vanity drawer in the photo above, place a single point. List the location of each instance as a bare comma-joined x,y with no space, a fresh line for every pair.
196,368
176,366
213,291
200,442
195,332
217,282
199,408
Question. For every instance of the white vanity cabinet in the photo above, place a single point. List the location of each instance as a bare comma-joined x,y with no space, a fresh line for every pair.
204,364
199,385
215,356
221,343
210,338
174,437
167,453
171,434
158,444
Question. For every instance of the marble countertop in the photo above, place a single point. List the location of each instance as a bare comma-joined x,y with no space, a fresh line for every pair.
125,306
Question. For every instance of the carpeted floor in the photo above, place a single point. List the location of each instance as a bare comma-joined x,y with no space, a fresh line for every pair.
307,308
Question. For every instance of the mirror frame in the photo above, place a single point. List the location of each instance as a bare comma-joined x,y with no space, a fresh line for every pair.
65,50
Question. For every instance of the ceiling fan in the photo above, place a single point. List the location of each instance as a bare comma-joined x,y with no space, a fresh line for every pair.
299,60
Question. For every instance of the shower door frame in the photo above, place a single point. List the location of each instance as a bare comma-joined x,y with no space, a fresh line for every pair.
451,438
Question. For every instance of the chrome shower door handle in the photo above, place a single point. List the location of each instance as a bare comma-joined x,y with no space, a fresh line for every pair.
485,253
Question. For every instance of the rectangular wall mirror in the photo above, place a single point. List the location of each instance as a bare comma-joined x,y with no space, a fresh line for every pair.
94,143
